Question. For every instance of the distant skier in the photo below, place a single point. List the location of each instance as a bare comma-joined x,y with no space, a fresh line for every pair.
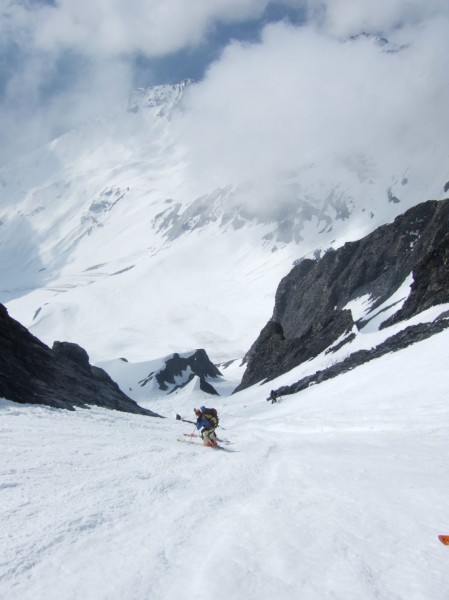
207,421
273,397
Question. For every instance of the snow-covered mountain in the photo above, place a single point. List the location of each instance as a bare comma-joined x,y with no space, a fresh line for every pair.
162,99
337,492
110,240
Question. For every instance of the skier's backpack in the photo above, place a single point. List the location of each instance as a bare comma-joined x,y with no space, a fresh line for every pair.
211,415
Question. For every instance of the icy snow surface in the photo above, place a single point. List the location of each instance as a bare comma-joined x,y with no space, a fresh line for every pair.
335,493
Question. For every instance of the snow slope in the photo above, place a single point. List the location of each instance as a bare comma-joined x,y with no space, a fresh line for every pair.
338,492
83,259
109,237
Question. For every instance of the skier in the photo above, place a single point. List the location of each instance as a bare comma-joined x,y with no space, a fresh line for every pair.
207,421
273,397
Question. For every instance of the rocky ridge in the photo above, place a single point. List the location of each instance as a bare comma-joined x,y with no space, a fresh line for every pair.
162,99
178,371
61,377
410,335
310,311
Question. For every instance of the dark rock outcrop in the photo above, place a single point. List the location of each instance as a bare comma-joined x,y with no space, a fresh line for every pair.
307,316
61,377
184,368
275,355
430,283
375,265
406,337
205,386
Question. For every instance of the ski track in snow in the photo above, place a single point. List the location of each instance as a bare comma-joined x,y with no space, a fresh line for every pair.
336,493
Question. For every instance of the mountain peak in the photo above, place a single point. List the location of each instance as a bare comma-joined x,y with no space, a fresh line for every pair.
161,98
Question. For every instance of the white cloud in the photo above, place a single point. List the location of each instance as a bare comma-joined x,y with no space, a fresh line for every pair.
349,17
298,95
64,62
114,27
301,97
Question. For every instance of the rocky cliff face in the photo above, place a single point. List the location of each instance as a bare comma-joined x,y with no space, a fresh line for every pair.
309,314
406,337
180,370
430,283
31,372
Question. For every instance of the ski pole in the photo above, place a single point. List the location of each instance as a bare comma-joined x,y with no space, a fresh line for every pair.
191,437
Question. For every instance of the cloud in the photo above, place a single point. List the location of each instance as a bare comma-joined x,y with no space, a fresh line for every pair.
301,98
296,96
349,17
64,62
111,27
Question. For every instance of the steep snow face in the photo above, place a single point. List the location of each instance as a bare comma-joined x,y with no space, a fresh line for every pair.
111,240
338,492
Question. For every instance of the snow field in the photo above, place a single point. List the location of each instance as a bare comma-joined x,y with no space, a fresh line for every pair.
337,492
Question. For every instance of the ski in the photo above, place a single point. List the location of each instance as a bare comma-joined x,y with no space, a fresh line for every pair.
197,444
195,435
201,445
